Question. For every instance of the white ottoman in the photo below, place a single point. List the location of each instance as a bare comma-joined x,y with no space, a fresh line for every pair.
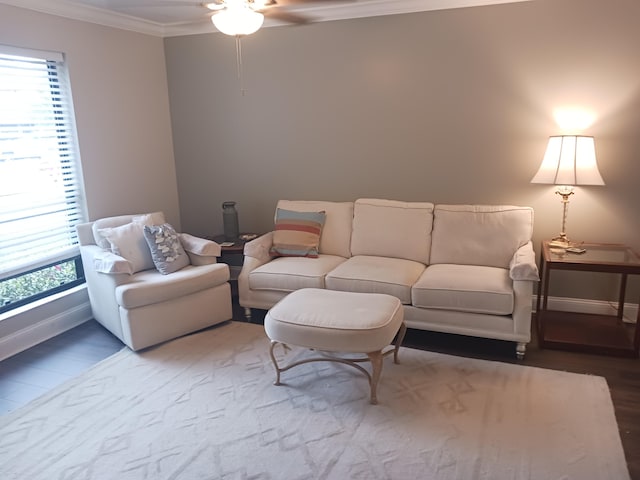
333,321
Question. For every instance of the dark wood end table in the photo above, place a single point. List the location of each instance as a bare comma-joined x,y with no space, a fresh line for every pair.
602,334
233,255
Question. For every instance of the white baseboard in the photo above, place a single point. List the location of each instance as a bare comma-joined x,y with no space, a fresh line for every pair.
46,320
596,307
74,309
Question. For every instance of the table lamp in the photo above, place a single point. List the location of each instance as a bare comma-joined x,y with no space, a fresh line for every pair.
569,160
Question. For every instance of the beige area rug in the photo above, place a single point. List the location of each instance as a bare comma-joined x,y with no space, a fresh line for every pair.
204,407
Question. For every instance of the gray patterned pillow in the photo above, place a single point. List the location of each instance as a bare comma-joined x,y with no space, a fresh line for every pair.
166,249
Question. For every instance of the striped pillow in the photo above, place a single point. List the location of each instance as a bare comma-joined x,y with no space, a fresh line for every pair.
297,234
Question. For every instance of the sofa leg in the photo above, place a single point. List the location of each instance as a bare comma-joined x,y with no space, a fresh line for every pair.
521,348
247,314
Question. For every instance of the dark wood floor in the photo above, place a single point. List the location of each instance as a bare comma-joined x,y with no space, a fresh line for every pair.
29,374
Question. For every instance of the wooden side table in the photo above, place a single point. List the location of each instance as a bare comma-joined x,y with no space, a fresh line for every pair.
603,334
233,255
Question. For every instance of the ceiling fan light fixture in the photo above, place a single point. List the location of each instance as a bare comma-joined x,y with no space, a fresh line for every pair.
238,20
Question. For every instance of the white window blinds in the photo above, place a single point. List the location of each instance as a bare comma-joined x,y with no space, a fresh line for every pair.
41,198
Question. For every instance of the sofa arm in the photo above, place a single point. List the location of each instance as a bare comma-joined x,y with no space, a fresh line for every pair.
523,264
200,250
259,248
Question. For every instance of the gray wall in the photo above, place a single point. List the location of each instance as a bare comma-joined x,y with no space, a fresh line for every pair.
119,85
446,106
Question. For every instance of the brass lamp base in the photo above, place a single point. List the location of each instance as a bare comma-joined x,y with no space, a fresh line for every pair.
561,241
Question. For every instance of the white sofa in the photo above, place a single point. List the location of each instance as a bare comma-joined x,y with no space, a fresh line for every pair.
140,305
463,269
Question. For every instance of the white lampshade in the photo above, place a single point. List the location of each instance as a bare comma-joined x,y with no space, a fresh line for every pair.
569,160
238,20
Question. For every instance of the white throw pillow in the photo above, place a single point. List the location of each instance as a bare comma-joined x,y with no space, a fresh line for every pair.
154,218
128,241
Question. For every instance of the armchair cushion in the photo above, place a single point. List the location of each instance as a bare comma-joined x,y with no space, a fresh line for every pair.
149,287
166,250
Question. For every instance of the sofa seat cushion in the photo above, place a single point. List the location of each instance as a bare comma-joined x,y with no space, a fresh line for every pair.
288,274
150,286
467,288
368,274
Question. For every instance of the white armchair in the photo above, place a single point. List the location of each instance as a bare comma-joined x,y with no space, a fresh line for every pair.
137,303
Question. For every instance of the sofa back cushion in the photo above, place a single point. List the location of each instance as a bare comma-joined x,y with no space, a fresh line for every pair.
335,238
479,234
390,228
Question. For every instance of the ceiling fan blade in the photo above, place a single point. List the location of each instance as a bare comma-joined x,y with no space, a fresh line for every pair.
217,5
300,2
154,3
285,16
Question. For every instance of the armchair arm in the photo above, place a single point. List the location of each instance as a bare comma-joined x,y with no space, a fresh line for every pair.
523,264
103,270
200,250
110,263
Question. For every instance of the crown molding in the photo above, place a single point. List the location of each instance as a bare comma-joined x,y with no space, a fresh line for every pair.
88,13
320,13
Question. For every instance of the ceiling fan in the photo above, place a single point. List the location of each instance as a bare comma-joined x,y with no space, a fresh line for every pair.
244,17
233,17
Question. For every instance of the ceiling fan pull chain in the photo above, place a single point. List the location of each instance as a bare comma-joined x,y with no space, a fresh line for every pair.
239,63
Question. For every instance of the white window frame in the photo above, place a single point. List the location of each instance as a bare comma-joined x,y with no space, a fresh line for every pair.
41,192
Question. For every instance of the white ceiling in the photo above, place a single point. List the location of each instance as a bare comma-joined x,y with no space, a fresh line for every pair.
168,18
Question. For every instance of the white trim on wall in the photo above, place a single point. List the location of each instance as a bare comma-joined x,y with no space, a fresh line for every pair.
44,320
77,310
595,307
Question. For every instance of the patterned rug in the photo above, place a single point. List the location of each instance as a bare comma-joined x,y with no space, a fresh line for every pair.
204,407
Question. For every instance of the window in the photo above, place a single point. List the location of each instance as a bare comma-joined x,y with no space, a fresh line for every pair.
41,198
